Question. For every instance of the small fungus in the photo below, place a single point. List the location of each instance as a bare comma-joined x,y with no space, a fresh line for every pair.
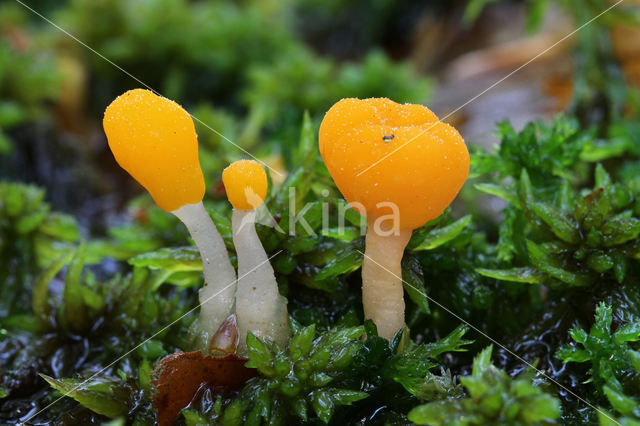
398,183
259,306
154,140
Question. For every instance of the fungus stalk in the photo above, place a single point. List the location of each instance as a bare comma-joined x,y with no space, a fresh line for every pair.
217,294
385,155
260,308
382,291
154,140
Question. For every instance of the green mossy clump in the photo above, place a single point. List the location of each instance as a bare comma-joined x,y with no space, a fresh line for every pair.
455,270
327,373
494,398
615,365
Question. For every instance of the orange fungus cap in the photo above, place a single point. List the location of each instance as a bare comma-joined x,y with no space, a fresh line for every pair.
422,166
246,184
153,138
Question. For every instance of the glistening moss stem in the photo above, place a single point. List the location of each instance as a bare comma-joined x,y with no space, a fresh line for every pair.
382,292
259,306
217,268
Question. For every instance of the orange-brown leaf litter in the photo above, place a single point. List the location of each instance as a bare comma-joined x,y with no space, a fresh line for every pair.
179,377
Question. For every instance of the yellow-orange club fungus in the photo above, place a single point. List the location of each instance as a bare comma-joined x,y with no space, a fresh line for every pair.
260,309
398,166
154,139
245,182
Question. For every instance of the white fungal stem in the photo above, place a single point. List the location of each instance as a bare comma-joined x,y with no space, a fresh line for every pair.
382,292
259,306
217,294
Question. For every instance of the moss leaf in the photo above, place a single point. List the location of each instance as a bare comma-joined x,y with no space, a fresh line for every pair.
103,396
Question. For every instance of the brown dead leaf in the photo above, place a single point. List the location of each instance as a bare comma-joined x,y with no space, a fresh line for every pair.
179,377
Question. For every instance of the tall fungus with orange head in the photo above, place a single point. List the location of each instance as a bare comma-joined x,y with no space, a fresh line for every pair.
398,166
154,140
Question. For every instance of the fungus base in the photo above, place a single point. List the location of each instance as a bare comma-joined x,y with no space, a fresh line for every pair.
259,306
382,292
217,294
